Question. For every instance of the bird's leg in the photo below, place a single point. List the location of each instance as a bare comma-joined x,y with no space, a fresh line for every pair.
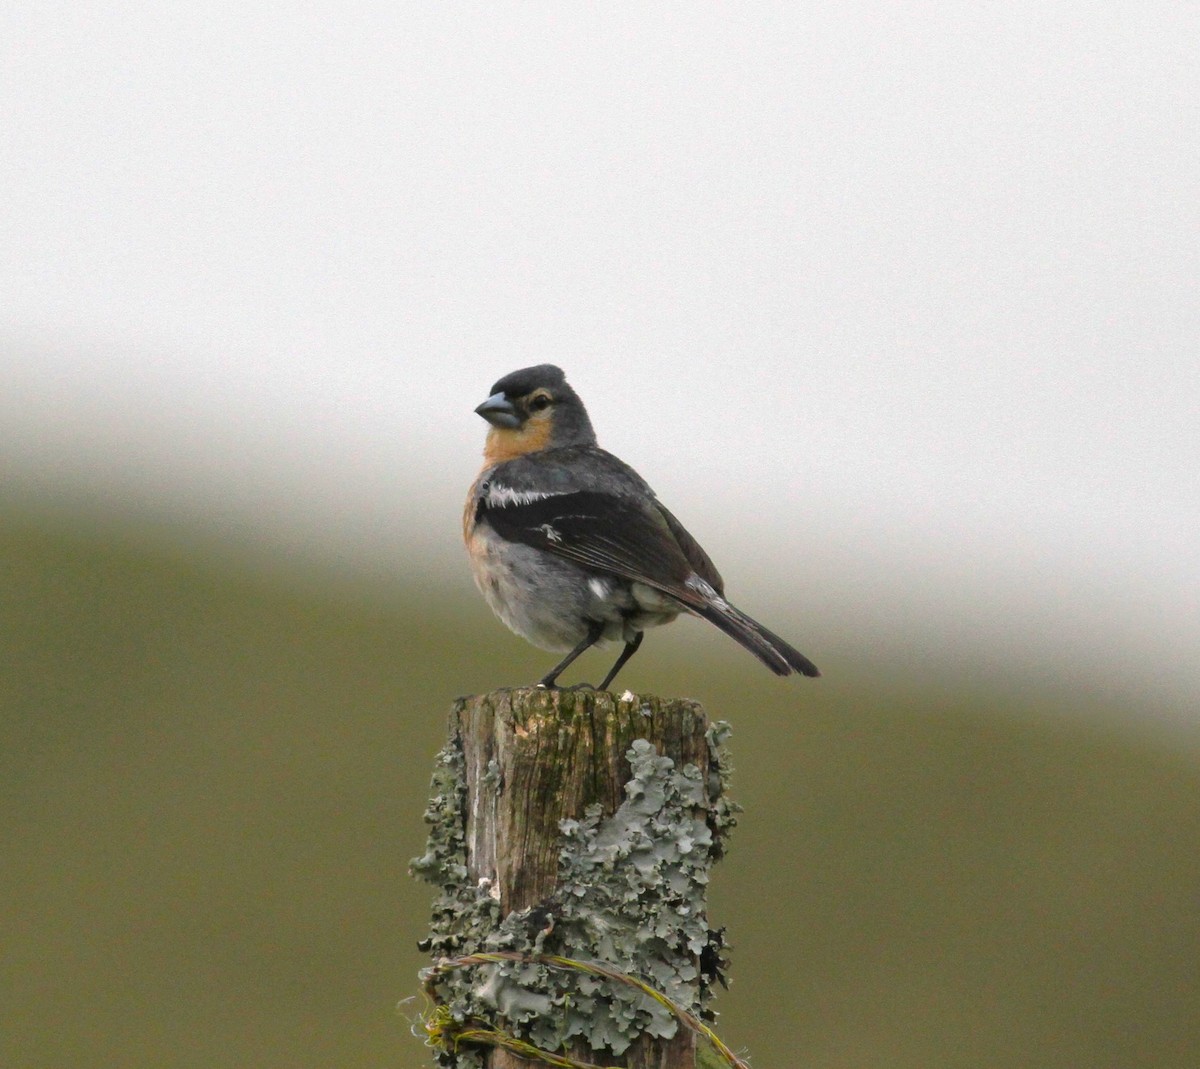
595,630
629,650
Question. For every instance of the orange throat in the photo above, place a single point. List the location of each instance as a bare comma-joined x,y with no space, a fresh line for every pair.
504,443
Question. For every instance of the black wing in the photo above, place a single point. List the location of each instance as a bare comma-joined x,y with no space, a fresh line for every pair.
699,560
602,532
619,535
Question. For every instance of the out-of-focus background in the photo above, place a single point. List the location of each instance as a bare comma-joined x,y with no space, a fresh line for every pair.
895,306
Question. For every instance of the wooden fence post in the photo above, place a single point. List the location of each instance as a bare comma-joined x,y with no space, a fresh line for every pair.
583,825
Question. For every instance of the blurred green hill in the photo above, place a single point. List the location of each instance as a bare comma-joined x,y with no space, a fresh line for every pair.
212,777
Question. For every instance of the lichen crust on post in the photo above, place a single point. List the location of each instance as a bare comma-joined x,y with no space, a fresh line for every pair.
583,825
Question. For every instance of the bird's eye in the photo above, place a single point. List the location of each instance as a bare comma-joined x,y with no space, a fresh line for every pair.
539,402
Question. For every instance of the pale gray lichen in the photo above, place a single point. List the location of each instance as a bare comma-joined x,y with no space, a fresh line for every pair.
461,910
724,809
491,776
631,894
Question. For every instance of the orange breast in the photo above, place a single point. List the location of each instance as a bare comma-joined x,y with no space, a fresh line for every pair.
469,509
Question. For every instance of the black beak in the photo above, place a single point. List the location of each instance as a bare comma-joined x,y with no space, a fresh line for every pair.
498,410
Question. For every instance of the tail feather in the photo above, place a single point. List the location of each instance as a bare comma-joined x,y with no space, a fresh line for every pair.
783,659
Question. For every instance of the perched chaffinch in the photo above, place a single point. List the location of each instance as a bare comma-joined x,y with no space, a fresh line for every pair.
571,548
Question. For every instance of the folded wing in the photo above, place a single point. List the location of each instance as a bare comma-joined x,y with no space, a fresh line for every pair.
642,542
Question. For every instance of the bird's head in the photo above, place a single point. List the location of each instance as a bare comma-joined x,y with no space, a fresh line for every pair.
531,410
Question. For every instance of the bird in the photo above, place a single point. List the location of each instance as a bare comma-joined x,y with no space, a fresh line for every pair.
571,548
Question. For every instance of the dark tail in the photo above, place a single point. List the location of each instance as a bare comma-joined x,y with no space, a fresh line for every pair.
782,658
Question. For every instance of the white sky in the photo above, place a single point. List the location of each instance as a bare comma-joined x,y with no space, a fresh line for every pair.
902,297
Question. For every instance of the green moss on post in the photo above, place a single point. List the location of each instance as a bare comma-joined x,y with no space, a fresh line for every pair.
580,824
